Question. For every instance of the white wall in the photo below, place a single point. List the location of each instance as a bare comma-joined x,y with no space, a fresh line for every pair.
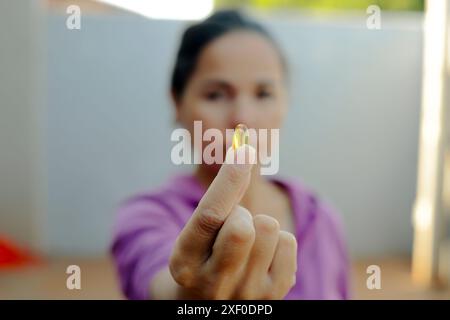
351,132
22,117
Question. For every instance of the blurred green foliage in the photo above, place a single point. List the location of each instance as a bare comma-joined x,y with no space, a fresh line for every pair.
324,5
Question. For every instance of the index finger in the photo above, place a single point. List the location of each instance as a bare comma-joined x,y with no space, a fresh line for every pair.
226,190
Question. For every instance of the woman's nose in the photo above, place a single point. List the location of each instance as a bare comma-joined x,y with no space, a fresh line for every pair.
242,112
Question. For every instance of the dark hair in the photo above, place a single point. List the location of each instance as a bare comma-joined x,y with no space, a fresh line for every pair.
196,37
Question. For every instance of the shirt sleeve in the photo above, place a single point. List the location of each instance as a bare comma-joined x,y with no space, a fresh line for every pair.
337,241
144,235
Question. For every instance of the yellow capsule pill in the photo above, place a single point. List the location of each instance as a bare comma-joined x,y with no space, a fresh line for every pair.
240,136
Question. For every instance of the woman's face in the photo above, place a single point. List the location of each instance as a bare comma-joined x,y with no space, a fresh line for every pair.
239,78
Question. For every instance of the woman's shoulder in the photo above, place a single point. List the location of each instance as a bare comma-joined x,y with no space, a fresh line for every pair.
172,200
177,188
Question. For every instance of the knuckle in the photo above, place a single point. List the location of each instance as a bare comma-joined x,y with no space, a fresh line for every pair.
209,221
181,273
241,233
241,211
226,266
287,240
266,224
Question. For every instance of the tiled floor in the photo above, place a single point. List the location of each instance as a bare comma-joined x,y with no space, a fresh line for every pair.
48,281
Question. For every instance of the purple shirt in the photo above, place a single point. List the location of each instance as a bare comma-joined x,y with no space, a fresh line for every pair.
148,224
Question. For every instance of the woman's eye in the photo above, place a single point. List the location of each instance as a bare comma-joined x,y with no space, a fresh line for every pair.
215,95
263,94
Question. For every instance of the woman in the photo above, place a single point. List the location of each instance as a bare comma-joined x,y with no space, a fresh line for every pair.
226,232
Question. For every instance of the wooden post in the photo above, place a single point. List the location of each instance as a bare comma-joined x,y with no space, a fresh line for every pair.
428,215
